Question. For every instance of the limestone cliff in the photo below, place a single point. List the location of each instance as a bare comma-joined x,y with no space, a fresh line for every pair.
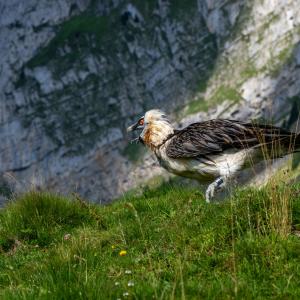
75,73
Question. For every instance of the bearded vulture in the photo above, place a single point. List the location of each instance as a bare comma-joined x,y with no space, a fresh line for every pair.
212,151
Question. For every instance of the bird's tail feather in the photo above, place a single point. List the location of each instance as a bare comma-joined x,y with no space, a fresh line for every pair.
297,143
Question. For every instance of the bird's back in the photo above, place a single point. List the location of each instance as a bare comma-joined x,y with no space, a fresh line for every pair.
217,136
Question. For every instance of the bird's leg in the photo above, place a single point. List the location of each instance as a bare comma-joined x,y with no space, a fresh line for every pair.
214,187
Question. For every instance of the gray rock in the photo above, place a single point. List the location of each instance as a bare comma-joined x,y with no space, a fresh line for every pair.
71,84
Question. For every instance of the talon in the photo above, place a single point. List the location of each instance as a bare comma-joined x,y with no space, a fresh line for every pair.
215,186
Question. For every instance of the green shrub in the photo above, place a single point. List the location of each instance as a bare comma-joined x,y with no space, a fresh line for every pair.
40,218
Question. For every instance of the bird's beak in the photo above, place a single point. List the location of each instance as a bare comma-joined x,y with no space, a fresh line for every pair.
132,127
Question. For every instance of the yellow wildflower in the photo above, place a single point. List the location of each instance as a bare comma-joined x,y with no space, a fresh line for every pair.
122,252
113,247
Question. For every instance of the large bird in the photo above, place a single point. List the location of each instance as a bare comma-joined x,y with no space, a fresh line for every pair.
212,151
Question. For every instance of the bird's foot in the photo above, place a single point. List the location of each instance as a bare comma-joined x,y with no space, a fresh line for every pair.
213,188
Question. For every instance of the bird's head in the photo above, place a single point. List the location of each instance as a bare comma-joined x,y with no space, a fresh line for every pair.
154,126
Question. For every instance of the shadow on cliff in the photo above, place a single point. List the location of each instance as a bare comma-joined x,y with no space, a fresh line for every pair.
286,101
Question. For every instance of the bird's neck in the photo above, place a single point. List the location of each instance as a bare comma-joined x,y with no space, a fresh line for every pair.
157,133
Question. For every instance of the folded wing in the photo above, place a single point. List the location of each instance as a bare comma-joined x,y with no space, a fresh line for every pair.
216,136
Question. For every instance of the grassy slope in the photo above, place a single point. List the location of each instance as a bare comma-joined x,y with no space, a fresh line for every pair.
178,247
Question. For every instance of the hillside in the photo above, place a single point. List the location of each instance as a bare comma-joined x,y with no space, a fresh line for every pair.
166,244
74,74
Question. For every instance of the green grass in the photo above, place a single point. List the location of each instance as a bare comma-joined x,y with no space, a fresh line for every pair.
75,32
248,71
276,63
225,93
85,31
222,94
178,247
285,57
197,106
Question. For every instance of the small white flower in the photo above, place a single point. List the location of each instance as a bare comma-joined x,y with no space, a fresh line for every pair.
130,283
117,283
67,236
128,272
125,294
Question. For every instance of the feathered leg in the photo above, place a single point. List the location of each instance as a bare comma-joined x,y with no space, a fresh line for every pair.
215,187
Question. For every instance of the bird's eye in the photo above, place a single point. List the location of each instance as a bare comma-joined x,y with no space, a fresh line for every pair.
141,122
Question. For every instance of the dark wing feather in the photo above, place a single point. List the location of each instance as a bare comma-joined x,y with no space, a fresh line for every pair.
215,136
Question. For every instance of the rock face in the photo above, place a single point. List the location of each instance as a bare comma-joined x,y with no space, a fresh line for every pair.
76,73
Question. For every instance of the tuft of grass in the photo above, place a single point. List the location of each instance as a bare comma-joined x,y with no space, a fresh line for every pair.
249,70
222,94
197,106
276,63
225,93
40,218
177,246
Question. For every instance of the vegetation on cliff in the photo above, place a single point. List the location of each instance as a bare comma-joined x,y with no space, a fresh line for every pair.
166,244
